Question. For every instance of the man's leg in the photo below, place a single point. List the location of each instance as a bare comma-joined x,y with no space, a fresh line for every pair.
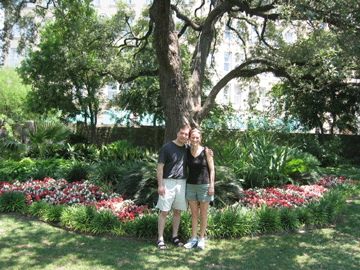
161,224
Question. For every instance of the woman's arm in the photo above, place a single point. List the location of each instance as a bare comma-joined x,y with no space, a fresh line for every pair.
210,162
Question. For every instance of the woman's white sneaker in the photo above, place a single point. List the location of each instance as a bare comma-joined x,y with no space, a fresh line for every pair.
192,243
201,243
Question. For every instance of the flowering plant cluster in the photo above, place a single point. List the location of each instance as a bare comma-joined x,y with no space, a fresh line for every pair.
82,192
123,209
332,181
289,196
58,191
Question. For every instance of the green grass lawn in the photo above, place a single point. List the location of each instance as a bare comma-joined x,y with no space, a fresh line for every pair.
26,243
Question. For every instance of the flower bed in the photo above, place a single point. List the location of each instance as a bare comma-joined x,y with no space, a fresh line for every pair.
289,196
84,193
77,193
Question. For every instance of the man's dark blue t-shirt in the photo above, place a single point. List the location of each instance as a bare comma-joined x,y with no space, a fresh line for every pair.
174,157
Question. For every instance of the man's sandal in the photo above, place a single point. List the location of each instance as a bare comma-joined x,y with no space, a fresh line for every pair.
176,241
161,245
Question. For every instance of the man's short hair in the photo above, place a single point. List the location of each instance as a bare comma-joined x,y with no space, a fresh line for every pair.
182,126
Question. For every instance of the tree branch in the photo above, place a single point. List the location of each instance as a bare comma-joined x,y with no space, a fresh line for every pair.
186,19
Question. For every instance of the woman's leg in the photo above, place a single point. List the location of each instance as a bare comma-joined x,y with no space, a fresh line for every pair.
194,206
203,217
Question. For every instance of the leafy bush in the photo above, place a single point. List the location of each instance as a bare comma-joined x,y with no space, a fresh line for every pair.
77,171
269,219
289,219
144,226
13,201
123,151
53,213
11,149
78,217
227,187
107,173
231,222
305,216
258,160
104,222
138,181
19,170
319,214
37,209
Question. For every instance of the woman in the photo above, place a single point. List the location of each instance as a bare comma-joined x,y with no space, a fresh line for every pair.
199,187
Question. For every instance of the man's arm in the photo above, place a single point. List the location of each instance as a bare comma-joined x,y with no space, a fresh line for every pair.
159,174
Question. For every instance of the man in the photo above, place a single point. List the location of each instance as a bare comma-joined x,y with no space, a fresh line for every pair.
171,175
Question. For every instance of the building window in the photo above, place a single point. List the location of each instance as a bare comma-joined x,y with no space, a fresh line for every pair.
238,97
14,58
227,61
239,58
289,37
112,91
253,36
227,34
30,5
96,2
16,32
262,96
226,94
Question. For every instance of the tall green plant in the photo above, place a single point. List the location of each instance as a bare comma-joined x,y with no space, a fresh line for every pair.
13,201
45,133
123,151
258,160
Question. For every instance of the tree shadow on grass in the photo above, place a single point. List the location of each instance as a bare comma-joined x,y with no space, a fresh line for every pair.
26,243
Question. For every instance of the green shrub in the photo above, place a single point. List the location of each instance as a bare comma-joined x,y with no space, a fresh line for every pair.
305,216
138,181
13,201
107,173
144,226
19,170
77,171
258,160
147,188
319,213
40,172
230,222
269,219
104,222
123,151
53,213
78,217
227,187
289,219
185,229
37,209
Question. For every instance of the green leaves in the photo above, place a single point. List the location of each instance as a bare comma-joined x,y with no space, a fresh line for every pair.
13,201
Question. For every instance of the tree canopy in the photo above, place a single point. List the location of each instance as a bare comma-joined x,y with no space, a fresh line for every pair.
258,25
12,97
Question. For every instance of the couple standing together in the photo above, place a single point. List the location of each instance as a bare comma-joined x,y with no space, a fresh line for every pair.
185,173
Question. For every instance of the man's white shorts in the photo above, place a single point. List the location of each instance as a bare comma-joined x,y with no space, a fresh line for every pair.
174,196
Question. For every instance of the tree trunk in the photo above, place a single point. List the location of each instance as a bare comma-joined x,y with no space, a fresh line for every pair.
173,90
